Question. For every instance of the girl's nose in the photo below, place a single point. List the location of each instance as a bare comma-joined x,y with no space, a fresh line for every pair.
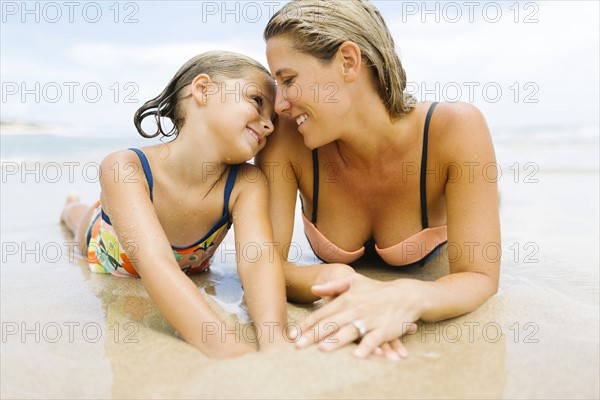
268,126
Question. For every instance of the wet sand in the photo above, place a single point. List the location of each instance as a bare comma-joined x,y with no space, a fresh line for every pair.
69,333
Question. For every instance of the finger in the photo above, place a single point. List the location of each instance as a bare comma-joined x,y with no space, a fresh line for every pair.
325,312
389,353
378,351
327,299
410,328
333,288
345,335
375,338
399,348
325,328
368,344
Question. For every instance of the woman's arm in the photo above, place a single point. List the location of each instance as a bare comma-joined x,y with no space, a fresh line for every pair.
259,264
388,309
276,161
474,249
126,199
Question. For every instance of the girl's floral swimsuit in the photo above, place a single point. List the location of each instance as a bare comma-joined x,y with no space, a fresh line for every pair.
106,255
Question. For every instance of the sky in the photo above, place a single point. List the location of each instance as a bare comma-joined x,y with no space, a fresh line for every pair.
86,66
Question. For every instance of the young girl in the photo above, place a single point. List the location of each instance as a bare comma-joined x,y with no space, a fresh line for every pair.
164,209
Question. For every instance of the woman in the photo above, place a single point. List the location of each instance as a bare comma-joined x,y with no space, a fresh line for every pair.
376,171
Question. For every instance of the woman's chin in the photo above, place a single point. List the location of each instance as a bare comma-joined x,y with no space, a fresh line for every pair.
311,144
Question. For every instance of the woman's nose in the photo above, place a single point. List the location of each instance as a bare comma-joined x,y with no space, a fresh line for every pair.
281,103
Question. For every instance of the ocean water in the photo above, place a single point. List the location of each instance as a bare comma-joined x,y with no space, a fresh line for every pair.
552,147
49,147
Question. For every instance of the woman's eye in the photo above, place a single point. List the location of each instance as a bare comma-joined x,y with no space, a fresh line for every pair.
288,82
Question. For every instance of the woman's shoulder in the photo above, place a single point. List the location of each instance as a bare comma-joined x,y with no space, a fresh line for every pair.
458,128
456,117
285,143
456,121
456,112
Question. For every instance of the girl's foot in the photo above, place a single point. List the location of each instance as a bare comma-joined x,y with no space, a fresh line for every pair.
72,198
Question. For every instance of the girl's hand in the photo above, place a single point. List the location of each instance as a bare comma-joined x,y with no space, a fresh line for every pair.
278,346
380,312
238,350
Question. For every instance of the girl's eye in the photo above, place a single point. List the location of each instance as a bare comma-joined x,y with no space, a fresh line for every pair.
259,100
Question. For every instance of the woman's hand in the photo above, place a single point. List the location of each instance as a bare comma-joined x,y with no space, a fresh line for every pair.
330,273
380,312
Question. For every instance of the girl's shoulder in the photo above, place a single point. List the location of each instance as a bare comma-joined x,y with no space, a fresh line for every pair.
124,155
126,166
249,176
250,183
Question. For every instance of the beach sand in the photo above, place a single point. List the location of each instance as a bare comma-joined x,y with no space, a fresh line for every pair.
69,333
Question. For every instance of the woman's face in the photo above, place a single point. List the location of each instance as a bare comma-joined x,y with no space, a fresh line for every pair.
309,92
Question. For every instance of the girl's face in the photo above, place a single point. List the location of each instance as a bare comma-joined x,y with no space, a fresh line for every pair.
309,92
241,110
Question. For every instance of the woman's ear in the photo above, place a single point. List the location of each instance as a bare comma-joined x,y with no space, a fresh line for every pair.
351,58
200,88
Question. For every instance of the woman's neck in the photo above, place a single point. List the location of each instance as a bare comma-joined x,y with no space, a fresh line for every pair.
370,136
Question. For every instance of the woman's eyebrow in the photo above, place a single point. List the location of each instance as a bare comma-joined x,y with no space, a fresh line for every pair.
280,71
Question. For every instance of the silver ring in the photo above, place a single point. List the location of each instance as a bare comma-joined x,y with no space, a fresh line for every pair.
360,327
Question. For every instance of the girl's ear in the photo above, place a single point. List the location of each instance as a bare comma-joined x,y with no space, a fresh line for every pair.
200,88
351,56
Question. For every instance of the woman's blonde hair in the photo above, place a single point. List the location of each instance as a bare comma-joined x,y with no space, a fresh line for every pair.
216,64
319,27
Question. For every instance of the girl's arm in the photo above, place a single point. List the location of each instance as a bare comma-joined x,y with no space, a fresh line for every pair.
125,198
388,309
276,162
259,264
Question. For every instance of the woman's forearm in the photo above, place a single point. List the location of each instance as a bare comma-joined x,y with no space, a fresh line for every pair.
300,279
452,295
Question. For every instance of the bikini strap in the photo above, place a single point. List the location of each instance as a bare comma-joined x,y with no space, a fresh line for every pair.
147,173
229,187
315,158
146,167
423,183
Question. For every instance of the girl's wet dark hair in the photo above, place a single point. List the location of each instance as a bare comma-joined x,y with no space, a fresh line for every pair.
216,64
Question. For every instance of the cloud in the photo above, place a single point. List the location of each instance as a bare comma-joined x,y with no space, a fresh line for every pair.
559,53
104,55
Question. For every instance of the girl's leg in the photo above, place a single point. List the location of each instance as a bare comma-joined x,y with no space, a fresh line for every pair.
76,217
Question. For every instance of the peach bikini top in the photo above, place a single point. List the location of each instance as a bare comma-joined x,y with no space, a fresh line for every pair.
415,249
